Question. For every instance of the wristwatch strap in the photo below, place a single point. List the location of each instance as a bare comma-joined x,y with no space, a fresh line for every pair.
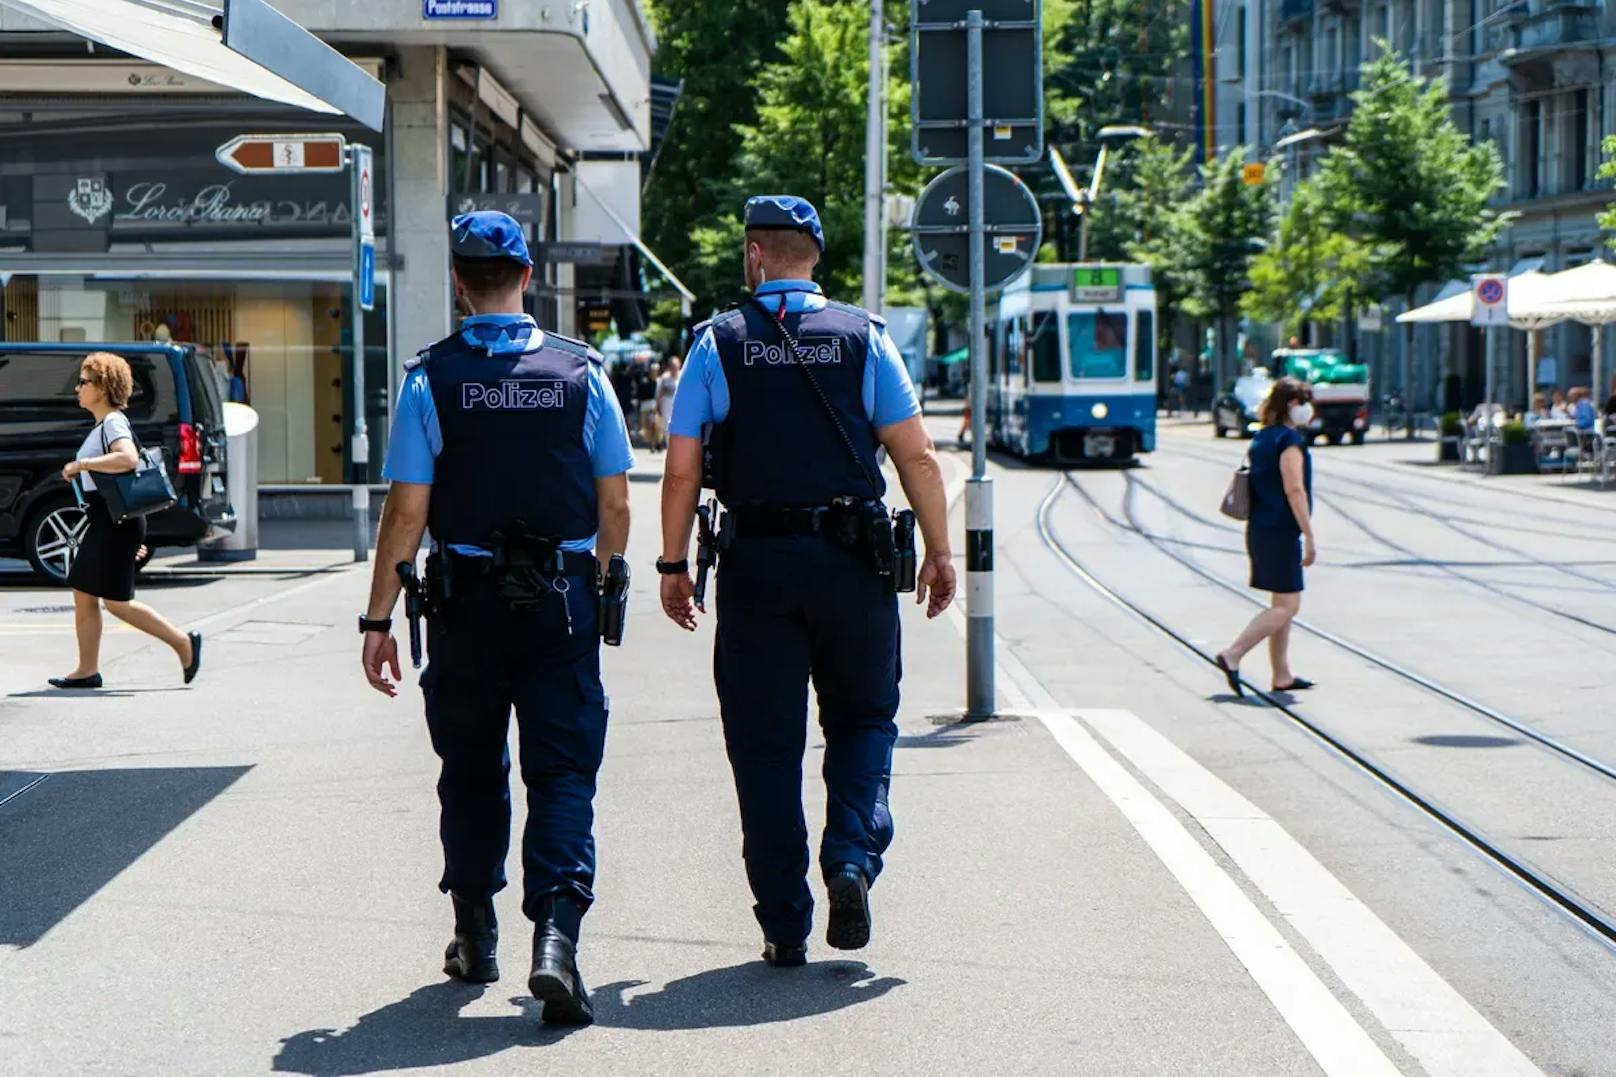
673,568
385,624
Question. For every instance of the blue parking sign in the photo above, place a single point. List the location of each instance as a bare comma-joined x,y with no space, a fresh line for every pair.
367,276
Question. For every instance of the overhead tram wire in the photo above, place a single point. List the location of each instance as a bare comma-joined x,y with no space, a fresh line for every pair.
1563,897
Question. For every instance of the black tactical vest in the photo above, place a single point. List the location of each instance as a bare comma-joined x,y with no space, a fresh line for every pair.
513,441
777,445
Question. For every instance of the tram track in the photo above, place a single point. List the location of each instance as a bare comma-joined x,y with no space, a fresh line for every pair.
1559,894
1353,518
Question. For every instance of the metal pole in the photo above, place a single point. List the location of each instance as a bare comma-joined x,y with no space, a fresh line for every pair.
359,454
1083,229
1490,379
979,687
874,165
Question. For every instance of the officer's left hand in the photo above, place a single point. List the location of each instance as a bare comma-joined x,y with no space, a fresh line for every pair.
381,650
679,600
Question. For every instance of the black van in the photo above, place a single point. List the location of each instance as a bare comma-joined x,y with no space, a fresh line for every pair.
175,405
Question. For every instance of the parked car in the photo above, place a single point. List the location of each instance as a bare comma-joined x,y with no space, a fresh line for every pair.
1237,409
175,406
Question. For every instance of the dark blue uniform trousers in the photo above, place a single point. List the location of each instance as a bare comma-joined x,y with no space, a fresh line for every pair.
487,658
791,609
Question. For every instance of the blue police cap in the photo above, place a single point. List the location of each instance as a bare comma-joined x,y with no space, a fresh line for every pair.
785,212
489,234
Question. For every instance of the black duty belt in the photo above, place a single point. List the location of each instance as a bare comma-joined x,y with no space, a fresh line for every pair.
571,563
786,521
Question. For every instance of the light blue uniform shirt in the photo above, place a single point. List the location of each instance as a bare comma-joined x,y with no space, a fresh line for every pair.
417,440
703,396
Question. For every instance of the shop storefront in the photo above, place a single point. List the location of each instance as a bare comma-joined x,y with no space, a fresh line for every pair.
118,224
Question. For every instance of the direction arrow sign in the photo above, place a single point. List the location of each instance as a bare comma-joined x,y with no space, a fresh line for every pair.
267,154
942,236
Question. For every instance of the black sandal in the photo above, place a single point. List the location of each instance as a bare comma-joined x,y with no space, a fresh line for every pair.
1298,684
92,681
1231,675
196,656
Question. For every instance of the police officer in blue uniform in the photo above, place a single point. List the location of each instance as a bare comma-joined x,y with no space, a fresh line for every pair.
794,395
510,445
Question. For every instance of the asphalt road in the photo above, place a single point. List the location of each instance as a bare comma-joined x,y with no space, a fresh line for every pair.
1130,873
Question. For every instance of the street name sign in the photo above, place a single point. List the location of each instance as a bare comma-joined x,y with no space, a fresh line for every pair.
459,9
257,155
1489,299
1012,80
1013,228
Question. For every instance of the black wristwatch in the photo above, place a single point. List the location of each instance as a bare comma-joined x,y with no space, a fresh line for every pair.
385,624
673,568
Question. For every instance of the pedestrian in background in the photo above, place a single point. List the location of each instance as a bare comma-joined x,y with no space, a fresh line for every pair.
645,390
104,568
1279,531
802,596
666,389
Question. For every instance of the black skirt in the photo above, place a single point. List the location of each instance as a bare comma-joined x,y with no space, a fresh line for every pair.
105,563
1276,558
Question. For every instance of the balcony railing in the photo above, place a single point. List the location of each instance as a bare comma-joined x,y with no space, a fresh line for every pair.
1541,24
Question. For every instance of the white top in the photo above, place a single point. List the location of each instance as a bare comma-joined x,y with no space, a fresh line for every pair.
117,428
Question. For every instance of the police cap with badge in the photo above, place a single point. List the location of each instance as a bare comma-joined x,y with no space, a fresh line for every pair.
784,213
488,235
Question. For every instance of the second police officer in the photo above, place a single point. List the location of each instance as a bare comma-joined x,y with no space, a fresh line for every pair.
794,395
509,443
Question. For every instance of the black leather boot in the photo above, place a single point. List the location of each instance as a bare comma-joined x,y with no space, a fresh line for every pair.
785,955
554,980
849,893
473,956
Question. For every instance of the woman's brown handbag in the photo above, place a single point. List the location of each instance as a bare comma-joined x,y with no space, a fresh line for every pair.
1237,498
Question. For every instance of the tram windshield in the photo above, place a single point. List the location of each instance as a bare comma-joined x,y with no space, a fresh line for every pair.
1098,343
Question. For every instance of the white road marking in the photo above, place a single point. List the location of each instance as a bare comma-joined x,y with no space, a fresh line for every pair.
1432,1021
1422,1011
277,596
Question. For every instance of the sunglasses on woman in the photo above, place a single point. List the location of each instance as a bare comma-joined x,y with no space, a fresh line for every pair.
82,382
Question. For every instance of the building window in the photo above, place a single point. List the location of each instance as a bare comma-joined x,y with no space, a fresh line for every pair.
1579,121
1531,158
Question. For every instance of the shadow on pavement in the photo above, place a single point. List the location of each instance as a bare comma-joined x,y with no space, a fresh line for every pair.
749,994
424,1029
74,832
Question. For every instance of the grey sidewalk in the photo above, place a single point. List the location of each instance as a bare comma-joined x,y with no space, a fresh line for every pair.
239,878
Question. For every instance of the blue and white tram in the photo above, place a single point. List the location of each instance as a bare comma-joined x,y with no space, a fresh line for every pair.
1072,363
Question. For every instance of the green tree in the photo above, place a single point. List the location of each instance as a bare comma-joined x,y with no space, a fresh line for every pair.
808,139
1105,62
1410,186
716,47
1160,182
1607,171
1311,272
1214,237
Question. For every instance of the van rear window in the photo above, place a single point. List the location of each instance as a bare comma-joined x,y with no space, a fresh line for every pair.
38,387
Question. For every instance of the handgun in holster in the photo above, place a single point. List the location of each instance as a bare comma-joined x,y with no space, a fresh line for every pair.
415,603
614,601
706,548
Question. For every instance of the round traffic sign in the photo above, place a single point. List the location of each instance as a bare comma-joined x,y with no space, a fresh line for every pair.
1490,291
1012,225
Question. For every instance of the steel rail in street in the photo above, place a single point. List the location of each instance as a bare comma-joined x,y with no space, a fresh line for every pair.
1557,893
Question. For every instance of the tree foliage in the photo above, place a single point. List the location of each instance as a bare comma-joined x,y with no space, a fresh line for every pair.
1408,184
1311,272
717,48
1217,233
1607,171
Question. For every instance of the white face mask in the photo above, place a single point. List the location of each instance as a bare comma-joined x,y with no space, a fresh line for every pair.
1301,414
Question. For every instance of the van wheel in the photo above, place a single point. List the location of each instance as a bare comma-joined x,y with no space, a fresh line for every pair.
51,539
1218,431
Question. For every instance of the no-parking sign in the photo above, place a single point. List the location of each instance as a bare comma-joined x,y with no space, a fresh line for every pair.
1489,299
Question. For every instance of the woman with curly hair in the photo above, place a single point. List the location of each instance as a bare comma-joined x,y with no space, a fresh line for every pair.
104,568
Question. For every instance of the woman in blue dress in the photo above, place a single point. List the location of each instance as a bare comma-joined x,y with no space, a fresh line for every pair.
1279,532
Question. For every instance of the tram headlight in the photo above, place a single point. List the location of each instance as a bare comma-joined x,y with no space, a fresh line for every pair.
1100,411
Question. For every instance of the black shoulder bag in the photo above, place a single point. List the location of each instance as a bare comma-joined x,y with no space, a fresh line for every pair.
141,492
892,539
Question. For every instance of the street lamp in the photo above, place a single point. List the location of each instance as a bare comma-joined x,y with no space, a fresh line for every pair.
1085,197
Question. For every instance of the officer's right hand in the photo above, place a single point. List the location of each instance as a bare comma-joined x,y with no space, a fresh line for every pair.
679,600
381,649
937,577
